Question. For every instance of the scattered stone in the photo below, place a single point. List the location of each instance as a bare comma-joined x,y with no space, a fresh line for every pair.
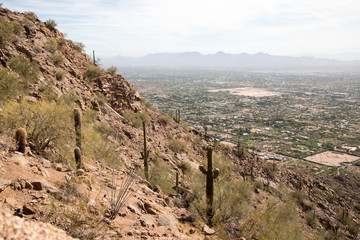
45,163
4,184
17,186
80,172
144,223
39,186
207,230
191,231
59,167
133,209
28,185
27,210
12,203
150,208
44,172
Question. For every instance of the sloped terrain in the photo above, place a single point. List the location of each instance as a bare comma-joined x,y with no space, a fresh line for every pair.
44,77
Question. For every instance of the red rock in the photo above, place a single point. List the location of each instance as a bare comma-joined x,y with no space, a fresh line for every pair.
27,210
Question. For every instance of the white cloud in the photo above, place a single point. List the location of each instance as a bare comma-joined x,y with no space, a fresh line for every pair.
137,27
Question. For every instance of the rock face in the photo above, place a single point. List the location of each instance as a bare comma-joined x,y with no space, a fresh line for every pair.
12,227
37,42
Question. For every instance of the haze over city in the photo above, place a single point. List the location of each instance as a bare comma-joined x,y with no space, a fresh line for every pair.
136,28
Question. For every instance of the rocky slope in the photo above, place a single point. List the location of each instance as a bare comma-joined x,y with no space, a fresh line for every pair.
43,185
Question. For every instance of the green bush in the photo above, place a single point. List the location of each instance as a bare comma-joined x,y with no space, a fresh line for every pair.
165,118
8,31
178,146
50,24
99,143
111,70
159,175
51,45
136,118
60,43
79,46
27,69
92,72
57,59
31,15
10,85
311,218
59,74
48,124
276,221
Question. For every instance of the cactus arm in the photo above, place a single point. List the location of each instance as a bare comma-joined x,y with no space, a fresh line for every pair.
216,173
202,169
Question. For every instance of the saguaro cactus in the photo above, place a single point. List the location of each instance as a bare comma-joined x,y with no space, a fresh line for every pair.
177,179
145,155
20,137
211,175
177,116
77,153
77,119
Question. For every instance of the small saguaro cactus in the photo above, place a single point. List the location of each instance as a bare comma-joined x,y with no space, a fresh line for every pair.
177,116
20,137
77,153
77,119
177,179
145,155
211,175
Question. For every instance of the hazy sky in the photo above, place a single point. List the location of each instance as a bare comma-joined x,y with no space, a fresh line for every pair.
139,27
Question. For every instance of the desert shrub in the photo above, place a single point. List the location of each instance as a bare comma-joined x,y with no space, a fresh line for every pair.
60,43
159,175
10,85
48,124
59,74
276,221
178,145
99,146
50,24
101,97
111,70
298,196
197,140
30,15
47,91
79,46
104,129
27,69
8,31
165,118
345,218
136,118
51,45
311,219
270,169
57,58
92,72
71,211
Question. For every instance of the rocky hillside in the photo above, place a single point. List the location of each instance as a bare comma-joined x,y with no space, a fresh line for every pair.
44,77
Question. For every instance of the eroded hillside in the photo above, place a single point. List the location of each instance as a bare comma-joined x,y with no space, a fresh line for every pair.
44,77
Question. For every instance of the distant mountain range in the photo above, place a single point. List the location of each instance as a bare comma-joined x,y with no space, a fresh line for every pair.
221,60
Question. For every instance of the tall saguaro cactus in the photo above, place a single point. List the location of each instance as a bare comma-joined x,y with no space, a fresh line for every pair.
77,119
145,155
211,175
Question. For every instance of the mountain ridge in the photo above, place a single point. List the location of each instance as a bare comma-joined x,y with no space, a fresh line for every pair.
260,60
